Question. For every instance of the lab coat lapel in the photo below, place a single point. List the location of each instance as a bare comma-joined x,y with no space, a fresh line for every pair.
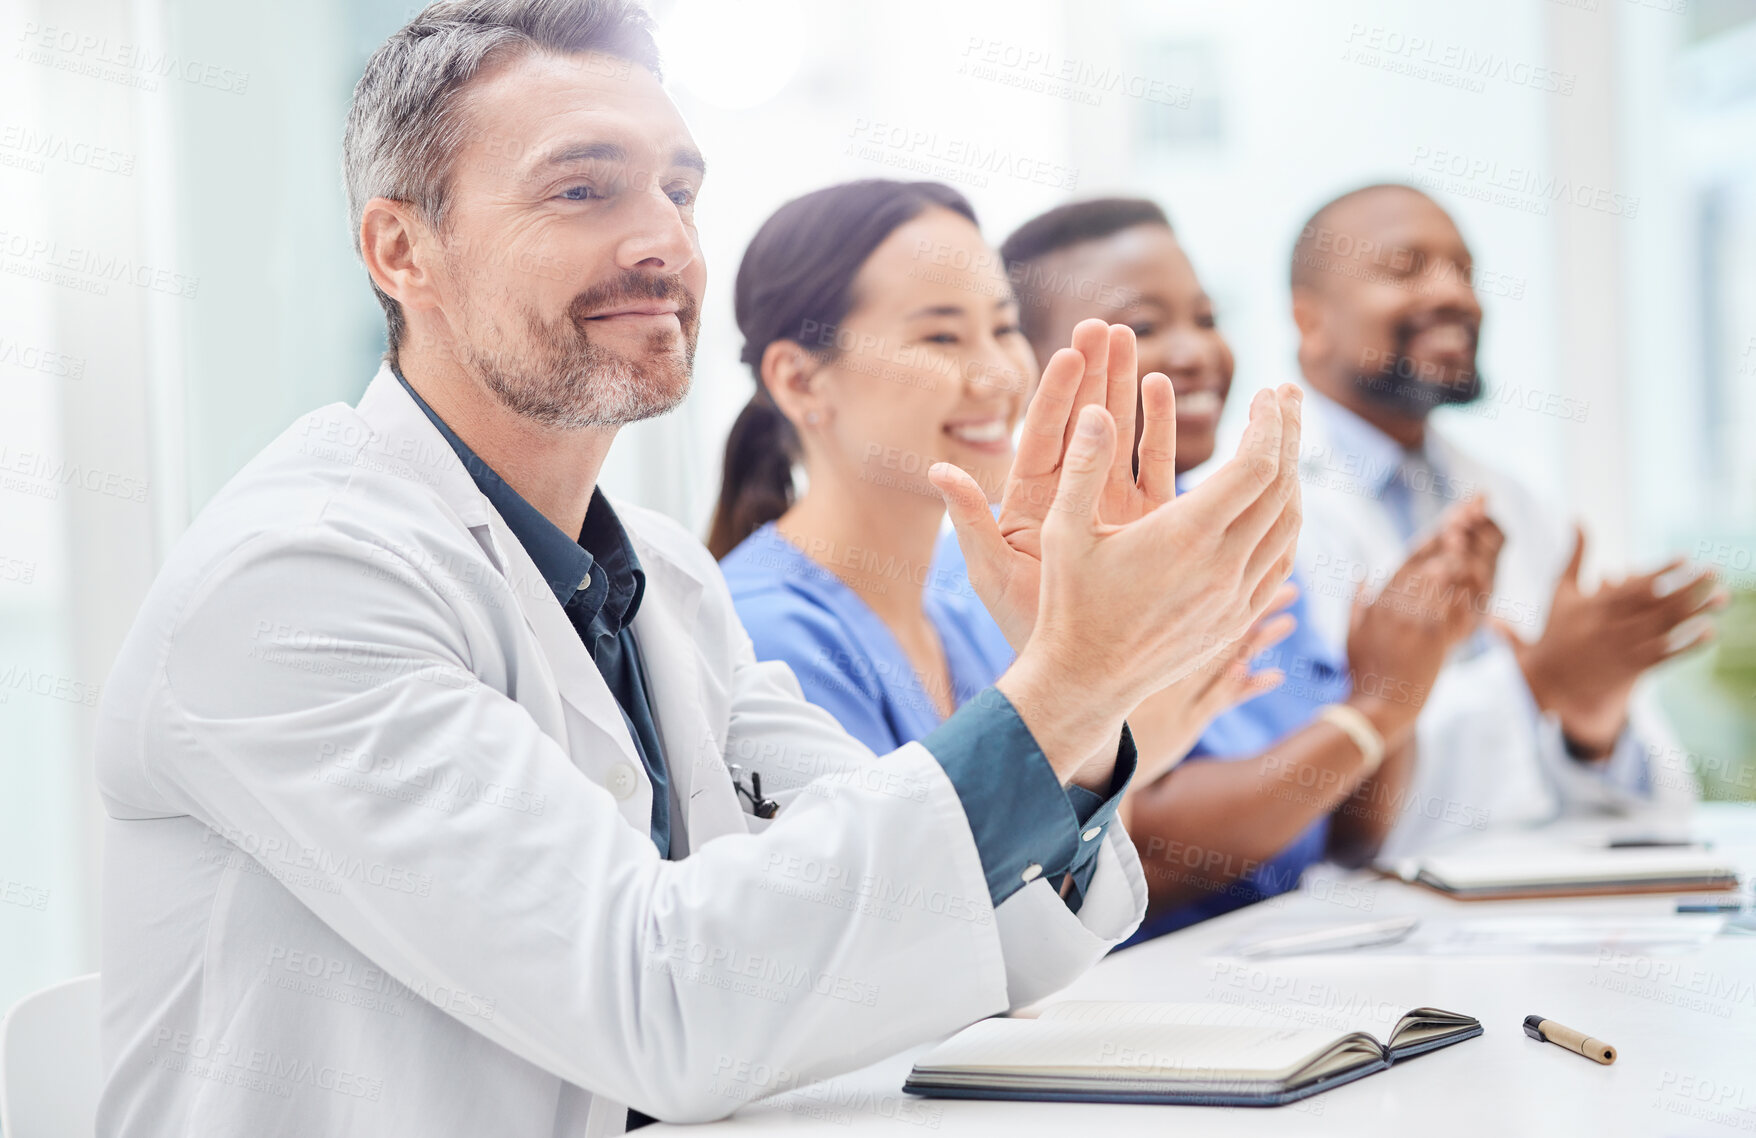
403,436
401,428
576,675
693,750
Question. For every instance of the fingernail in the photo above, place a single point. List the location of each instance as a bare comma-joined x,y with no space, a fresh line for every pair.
1090,422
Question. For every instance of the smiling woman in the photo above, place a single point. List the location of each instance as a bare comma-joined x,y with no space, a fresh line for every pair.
884,336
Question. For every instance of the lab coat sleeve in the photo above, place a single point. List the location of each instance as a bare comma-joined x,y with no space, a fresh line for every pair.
855,924
1046,946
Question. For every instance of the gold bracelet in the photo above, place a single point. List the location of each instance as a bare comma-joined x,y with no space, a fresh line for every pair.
1352,722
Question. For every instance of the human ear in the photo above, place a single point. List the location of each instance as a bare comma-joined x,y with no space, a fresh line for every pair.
395,246
789,373
1308,316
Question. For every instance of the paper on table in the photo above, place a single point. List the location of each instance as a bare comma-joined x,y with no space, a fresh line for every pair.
1527,935
1586,936
1332,938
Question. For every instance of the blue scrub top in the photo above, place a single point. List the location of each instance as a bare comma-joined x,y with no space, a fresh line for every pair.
845,657
1315,675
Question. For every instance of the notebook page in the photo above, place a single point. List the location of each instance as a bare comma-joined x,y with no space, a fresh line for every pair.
1426,1023
1129,1050
1192,1015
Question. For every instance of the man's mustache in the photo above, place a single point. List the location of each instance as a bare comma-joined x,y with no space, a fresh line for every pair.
633,286
1411,326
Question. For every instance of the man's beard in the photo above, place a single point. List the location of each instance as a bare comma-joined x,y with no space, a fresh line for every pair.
559,378
1408,386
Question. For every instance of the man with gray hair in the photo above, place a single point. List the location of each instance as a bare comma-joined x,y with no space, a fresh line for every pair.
447,797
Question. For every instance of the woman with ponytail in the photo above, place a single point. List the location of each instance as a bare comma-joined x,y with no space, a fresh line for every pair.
884,337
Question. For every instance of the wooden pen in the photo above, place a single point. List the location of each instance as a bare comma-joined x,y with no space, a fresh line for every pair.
1548,1031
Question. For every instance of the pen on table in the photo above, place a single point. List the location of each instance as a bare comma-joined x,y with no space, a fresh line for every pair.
1548,1031
1359,935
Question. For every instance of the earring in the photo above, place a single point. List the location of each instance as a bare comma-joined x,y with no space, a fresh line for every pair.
811,418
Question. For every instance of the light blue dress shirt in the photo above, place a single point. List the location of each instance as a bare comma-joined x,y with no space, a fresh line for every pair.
1414,486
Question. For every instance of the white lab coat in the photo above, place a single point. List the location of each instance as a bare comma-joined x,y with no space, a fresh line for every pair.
1487,756
378,861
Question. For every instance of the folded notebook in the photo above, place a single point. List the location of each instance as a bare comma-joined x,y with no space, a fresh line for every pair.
1569,873
1193,1054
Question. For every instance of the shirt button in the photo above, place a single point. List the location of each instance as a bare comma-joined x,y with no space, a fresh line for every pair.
621,781
1091,833
1031,872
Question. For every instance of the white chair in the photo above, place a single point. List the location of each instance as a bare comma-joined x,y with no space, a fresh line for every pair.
49,1065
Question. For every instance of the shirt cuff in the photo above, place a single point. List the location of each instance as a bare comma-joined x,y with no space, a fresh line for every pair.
1619,781
1024,823
1621,778
1095,813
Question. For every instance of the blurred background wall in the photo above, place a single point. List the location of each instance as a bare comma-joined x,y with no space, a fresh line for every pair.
177,282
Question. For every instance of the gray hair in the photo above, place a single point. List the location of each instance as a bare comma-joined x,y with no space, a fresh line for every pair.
406,123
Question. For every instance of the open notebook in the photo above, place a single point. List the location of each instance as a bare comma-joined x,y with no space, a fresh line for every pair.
1194,1054
1568,873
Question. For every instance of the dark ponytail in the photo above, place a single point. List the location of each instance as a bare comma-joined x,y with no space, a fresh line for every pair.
756,484
796,283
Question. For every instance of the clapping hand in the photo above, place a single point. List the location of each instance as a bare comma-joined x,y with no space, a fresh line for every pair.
1110,585
1596,644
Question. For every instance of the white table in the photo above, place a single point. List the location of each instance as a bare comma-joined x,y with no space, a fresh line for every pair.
1684,1024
